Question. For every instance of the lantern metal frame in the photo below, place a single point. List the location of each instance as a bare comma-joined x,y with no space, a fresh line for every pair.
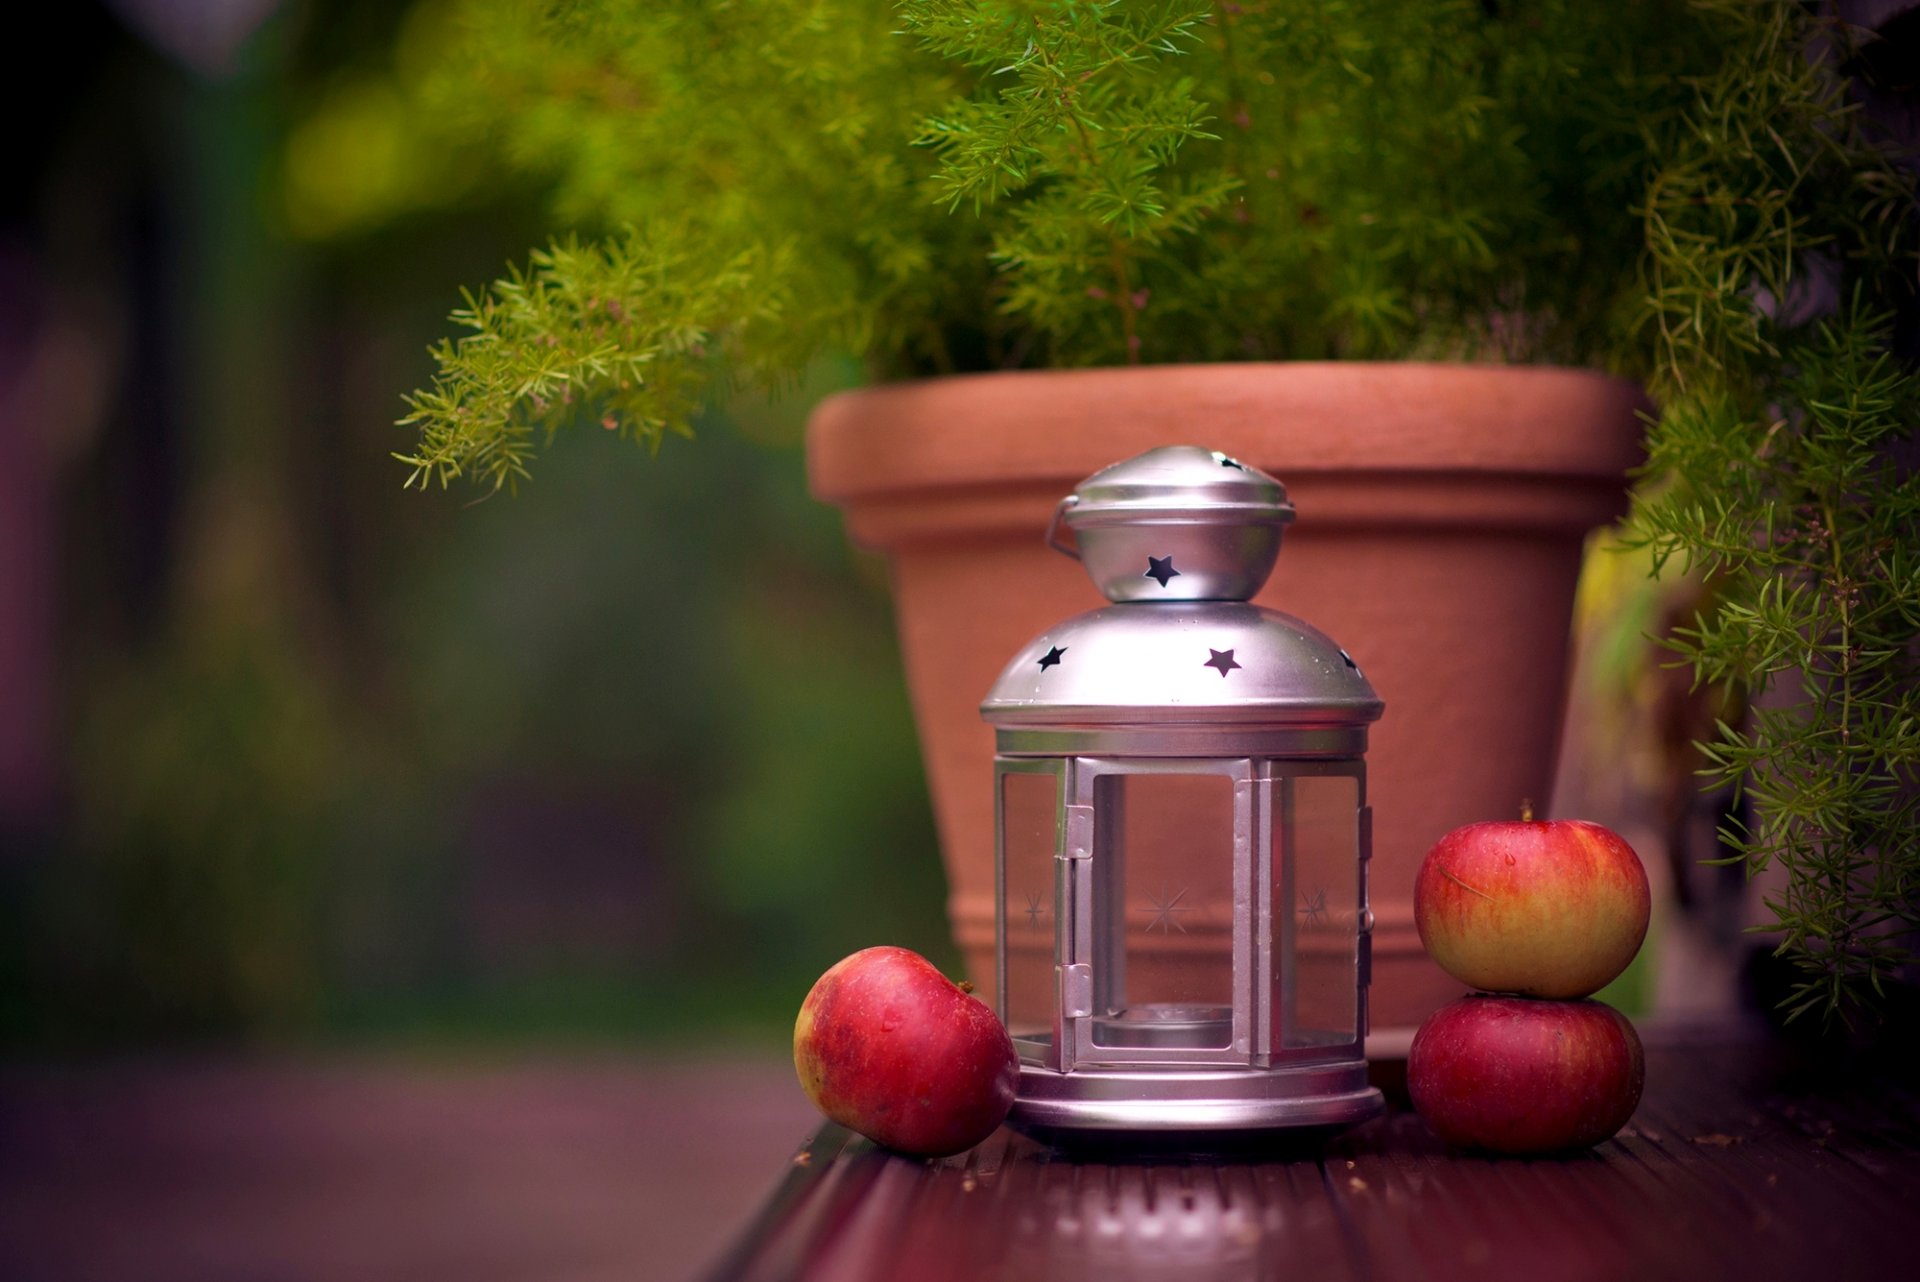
1072,1083
1300,711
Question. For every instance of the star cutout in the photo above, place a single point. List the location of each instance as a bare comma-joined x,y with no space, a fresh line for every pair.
1222,661
1160,569
1034,911
1313,908
1052,657
1165,910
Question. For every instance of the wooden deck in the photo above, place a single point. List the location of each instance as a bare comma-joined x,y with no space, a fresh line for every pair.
1747,1160
386,1168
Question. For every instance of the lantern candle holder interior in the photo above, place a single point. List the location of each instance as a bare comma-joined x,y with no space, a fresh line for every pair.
1182,935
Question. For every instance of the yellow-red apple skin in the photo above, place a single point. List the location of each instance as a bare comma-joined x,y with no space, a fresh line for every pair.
1520,1075
888,1046
1544,908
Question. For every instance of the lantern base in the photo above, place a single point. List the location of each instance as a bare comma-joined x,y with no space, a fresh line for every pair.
1199,1108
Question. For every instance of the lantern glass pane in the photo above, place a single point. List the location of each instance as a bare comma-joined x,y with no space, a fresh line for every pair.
1030,812
1163,873
1317,833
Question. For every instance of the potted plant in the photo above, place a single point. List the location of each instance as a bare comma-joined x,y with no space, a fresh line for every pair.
1375,247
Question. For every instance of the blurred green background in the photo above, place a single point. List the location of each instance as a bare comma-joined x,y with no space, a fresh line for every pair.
289,755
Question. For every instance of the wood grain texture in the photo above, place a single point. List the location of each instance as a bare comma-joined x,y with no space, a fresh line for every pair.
1747,1159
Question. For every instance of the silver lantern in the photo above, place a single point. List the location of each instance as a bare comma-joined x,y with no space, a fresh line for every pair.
1182,826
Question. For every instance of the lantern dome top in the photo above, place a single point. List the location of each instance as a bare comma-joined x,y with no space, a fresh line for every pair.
1178,523
1179,539
1190,663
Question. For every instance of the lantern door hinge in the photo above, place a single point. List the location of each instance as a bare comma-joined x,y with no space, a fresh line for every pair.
1076,991
1079,843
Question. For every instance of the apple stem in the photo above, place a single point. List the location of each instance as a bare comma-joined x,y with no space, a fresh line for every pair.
1526,810
966,985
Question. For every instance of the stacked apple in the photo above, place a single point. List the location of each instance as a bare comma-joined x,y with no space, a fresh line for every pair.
1538,916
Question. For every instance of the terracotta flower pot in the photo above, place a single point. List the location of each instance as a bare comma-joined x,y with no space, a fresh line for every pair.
1442,514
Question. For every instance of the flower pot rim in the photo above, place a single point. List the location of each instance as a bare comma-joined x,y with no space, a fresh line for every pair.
1291,418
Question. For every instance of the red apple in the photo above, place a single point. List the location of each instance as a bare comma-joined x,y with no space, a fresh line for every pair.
888,1046
1553,908
1517,1075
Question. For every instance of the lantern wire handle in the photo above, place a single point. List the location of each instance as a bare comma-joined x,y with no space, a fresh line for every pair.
1054,540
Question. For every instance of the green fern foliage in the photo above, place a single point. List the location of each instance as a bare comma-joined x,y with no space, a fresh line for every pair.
741,197
951,185
1785,456
1085,131
613,321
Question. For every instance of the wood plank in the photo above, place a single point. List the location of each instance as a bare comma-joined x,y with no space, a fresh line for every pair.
387,1168
1747,1159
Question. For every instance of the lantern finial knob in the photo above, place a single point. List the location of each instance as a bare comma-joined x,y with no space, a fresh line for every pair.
1179,523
